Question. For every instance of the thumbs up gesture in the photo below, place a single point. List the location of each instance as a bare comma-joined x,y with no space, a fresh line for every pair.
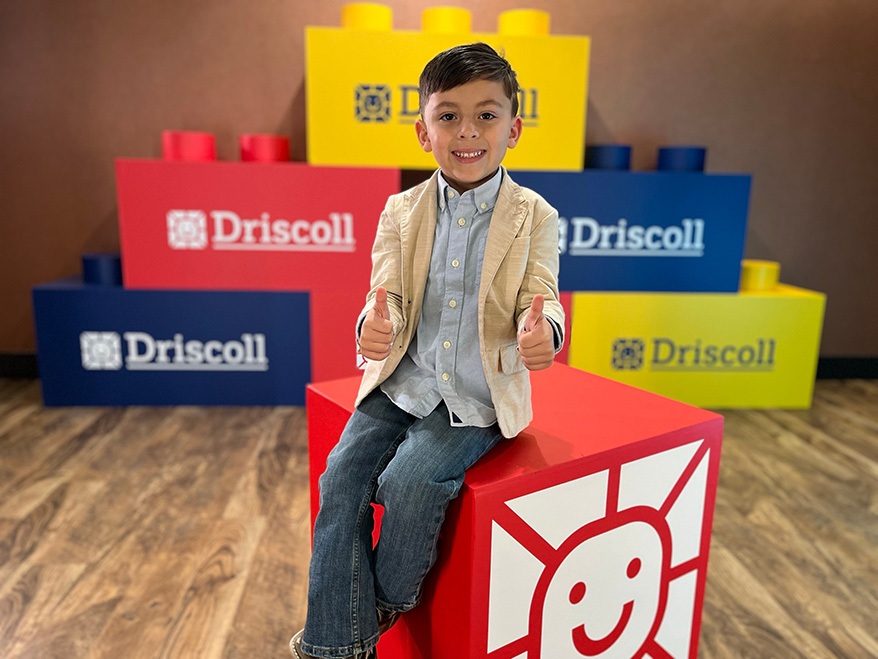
376,332
536,342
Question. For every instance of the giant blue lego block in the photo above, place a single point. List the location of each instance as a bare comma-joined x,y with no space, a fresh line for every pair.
104,345
647,231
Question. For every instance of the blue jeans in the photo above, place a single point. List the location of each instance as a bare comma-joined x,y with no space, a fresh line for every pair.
414,468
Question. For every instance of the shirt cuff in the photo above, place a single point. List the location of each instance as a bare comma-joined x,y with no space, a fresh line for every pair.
558,333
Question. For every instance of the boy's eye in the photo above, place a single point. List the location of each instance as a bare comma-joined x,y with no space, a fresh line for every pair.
447,117
487,116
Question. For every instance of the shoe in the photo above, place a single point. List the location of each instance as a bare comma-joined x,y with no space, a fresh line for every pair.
386,620
296,646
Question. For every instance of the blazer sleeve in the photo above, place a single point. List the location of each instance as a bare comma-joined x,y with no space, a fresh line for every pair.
541,273
387,267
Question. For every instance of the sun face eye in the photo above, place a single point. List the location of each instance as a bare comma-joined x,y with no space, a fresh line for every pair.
634,568
577,593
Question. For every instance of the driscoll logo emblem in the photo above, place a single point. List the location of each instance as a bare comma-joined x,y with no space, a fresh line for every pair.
627,354
666,354
101,351
143,352
190,229
585,236
187,229
372,103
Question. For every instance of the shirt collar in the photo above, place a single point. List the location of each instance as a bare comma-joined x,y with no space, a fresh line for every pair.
485,196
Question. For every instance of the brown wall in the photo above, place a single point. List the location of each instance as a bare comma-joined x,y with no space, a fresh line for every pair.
786,90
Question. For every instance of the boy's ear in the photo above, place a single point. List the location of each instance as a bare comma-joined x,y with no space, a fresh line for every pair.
423,137
514,133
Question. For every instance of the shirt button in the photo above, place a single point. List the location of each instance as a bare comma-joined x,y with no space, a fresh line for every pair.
461,222
452,303
455,263
446,377
446,344
451,194
483,206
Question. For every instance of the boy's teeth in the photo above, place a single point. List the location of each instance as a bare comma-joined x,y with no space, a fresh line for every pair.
469,154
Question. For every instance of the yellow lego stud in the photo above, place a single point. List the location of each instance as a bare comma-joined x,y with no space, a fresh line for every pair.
366,16
524,23
759,275
446,20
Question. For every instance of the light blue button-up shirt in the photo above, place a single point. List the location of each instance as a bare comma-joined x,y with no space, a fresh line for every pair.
444,361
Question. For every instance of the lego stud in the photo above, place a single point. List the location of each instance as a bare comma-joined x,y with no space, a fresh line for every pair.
446,20
188,146
366,16
759,275
681,158
264,148
608,156
102,269
524,23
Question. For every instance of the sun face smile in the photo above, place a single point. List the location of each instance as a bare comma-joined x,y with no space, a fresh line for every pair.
591,647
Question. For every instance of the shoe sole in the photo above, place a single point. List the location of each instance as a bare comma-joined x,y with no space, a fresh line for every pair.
293,650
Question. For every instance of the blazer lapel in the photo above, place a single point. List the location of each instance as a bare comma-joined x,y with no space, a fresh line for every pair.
506,220
423,218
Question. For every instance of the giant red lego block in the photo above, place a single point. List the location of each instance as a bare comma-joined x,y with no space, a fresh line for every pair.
258,226
585,536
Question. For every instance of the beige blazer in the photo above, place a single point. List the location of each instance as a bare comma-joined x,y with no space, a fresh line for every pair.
521,260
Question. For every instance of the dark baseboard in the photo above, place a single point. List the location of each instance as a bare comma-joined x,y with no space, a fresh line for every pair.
847,368
22,365
18,365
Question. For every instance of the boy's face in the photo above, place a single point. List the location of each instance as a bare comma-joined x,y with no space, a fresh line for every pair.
468,129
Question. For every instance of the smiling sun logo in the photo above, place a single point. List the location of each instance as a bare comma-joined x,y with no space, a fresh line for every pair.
604,565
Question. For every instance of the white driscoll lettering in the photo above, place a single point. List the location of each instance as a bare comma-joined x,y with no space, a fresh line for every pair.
223,220
232,232
134,341
585,236
145,352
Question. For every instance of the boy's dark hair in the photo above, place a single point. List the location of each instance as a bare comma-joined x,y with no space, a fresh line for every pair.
462,64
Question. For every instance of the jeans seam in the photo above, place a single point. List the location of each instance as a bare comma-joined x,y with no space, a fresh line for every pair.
365,504
433,543
385,607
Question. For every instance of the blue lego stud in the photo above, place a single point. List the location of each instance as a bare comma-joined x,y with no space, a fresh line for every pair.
102,269
681,158
608,157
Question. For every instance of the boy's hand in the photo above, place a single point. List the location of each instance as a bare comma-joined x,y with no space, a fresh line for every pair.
536,341
376,333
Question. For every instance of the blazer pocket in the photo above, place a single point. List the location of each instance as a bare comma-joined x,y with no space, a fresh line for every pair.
510,360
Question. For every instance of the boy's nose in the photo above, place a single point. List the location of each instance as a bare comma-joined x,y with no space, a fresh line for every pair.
468,129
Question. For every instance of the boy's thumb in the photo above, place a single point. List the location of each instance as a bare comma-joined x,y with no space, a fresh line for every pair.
535,314
381,302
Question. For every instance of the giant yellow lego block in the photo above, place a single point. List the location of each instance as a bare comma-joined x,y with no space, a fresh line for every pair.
362,87
753,349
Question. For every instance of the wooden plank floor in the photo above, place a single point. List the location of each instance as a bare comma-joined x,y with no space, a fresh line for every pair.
183,532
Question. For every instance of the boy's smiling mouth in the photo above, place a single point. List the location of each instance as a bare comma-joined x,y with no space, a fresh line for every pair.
469,155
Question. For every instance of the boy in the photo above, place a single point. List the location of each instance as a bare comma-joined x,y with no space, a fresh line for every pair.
463,301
